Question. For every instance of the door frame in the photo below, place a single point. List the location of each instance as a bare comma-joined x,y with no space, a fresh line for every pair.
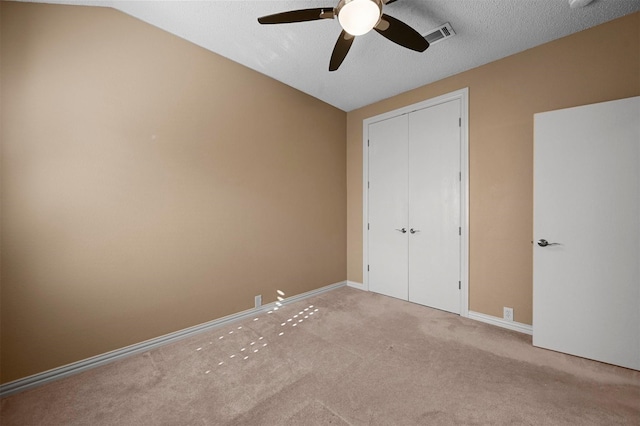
463,96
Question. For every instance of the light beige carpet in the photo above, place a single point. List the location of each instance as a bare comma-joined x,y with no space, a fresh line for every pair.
344,357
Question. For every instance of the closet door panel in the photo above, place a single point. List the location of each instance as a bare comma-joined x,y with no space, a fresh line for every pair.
434,206
388,245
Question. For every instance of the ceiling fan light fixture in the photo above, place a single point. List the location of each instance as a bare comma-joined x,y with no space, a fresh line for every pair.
358,17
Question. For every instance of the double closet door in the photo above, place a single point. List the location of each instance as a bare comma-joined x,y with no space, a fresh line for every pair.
414,247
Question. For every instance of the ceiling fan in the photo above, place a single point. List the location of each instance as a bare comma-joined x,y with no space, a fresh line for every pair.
356,17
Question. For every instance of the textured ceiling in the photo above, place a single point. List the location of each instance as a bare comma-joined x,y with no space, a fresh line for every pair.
375,68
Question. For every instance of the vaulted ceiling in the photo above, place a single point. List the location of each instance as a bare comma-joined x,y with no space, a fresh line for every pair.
297,54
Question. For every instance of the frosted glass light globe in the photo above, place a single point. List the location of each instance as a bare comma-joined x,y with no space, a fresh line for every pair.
358,17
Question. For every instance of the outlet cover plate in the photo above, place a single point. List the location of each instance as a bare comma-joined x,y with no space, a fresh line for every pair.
507,314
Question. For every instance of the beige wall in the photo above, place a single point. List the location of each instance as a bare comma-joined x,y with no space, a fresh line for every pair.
600,64
149,185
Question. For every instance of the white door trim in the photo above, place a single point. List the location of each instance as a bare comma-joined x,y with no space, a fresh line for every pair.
463,96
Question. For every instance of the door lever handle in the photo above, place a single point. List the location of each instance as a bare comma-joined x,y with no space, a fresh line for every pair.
403,230
414,231
545,243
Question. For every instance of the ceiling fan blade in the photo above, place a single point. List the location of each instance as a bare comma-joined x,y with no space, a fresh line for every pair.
301,15
400,33
340,50
390,1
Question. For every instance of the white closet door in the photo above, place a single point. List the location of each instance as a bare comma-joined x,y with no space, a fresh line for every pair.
388,246
434,206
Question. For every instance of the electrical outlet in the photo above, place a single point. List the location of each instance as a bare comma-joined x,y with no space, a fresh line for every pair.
507,313
258,300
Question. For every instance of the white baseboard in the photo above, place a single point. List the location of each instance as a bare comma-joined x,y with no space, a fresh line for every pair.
98,360
357,285
511,325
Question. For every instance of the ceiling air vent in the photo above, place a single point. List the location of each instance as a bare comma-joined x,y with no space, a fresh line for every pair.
442,32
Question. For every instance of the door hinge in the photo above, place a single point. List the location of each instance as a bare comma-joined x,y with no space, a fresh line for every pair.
367,268
368,185
459,230
367,142
460,176
368,227
459,285
459,121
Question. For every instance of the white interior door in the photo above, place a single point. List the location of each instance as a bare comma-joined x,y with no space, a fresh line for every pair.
387,216
586,290
434,206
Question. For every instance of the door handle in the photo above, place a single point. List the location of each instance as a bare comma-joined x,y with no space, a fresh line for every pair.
414,231
545,243
403,230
